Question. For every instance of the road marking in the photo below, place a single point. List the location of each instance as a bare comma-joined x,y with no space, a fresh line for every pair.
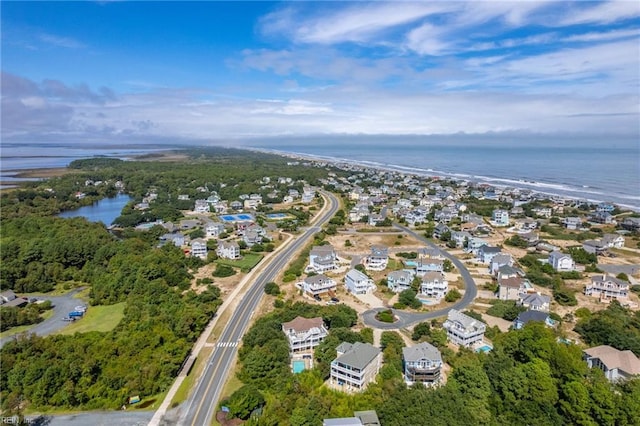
227,344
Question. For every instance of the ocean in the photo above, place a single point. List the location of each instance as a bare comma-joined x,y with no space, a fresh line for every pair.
592,169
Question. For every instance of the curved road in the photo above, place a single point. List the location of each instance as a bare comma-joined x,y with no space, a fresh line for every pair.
62,305
201,406
408,318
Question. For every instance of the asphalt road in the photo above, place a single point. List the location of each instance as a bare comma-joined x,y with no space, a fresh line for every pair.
62,305
406,319
93,418
201,406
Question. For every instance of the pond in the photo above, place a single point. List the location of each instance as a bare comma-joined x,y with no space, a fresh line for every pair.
105,210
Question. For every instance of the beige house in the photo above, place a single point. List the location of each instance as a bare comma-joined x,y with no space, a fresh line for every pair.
304,334
616,364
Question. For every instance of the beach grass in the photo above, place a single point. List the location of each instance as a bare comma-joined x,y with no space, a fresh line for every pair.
97,318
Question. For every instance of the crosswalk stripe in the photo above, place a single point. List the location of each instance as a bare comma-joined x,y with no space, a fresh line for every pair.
227,344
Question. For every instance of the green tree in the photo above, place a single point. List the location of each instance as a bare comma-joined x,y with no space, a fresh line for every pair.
453,295
244,401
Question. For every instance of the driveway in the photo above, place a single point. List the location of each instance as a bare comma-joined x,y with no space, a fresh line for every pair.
62,305
406,319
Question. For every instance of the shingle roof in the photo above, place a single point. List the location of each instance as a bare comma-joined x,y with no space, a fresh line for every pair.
359,355
614,358
422,351
527,316
301,324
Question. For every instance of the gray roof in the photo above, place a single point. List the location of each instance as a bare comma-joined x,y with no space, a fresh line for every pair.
344,421
356,275
501,259
422,351
358,355
536,299
368,417
557,255
467,322
527,316
490,249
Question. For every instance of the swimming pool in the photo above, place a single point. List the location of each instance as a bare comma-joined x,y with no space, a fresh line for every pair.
298,366
485,348
411,263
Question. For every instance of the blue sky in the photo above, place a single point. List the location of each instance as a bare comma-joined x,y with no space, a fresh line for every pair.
145,71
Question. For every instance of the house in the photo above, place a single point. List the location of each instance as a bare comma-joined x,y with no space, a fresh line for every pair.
460,237
322,259
177,239
318,284
542,212
499,260
631,224
308,194
440,230
378,259
572,223
500,218
251,238
616,364
474,244
535,302
527,316
422,364
199,248
602,217
561,262
398,281
9,299
606,288
613,240
375,219
201,206
424,266
214,229
358,283
356,366
511,288
462,329
434,285
487,253
595,247
304,334
228,250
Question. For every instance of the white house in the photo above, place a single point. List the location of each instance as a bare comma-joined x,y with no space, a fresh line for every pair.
318,284
378,259
613,240
572,222
304,334
499,260
322,259
426,265
201,206
422,364
434,285
616,364
356,366
607,288
228,250
561,262
358,283
214,229
199,248
398,281
463,330
535,302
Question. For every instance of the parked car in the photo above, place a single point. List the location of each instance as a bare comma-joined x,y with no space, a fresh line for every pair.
317,297
335,299
68,319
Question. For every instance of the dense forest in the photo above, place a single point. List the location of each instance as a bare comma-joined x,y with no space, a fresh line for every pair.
162,316
531,377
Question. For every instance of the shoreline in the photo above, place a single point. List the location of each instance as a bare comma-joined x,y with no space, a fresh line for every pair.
502,182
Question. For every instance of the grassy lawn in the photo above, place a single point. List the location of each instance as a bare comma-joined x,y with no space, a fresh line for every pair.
248,261
97,318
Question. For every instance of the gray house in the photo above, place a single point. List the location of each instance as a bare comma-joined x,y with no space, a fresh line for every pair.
422,364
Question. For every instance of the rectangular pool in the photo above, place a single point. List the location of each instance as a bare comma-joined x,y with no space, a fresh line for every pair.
298,366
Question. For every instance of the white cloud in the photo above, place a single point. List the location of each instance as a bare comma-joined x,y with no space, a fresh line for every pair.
59,41
603,36
358,23
603,13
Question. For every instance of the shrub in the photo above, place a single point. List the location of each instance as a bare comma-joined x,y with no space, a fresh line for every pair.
272,288
453,295
385,316
223,271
